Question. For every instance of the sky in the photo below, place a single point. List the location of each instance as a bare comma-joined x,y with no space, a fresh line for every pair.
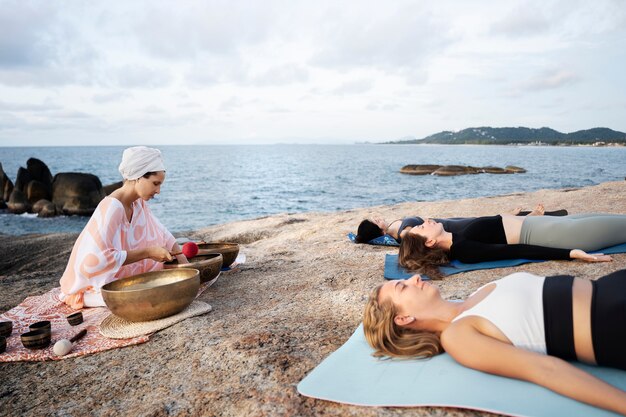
257,72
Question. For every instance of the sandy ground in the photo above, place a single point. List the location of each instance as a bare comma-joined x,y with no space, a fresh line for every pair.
298,298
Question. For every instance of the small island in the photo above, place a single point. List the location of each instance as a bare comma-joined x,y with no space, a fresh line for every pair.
599,136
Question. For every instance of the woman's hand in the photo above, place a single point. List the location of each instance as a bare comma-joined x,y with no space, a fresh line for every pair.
159,254
586,257
180,256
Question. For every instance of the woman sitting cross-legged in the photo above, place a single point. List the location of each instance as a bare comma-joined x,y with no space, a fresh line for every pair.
522,326
429,245
122,237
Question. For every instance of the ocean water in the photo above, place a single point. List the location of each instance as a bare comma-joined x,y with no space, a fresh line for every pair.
208,185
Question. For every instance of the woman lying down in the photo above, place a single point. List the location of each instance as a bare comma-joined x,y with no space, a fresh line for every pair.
521,326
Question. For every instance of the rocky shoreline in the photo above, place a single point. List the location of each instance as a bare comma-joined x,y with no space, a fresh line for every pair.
298,297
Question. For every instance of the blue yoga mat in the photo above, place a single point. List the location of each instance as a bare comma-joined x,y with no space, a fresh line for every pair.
395,271
384,240
351,375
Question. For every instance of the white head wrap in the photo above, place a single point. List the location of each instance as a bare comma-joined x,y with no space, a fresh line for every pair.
138,160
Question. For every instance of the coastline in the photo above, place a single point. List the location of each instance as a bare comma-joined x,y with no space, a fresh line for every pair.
298,297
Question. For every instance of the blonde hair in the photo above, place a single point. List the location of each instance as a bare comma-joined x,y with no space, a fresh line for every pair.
415,256
389,339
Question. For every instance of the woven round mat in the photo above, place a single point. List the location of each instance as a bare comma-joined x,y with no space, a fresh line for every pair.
117,328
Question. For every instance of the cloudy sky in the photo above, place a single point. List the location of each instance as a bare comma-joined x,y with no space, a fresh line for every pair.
164,72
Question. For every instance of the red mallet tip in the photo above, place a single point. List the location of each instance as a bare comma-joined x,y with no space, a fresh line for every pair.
190,249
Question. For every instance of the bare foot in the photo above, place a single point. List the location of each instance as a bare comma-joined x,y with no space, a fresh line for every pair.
516,211
538,211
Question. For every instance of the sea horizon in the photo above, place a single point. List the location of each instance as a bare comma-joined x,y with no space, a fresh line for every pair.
216,184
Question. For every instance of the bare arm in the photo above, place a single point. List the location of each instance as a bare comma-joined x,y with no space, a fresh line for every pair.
471,348
155,253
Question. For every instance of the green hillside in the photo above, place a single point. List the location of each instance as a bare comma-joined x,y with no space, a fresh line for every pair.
521,135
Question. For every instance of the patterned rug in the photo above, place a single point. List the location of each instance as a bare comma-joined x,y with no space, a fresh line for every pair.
50,307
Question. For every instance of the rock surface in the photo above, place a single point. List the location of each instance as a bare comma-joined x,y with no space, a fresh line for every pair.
454,170
298,297
76,193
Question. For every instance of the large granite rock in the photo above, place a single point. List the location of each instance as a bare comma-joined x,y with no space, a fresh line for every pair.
496,170
37,190
514,169
5,183
18,203
419,169
450,170
22,179
76,193
7,188
48,209
40,173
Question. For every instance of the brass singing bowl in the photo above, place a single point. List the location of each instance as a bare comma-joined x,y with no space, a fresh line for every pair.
36,339
6,328
152,295
209,265
228,250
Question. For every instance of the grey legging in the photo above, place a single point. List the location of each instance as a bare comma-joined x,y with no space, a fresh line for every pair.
588,232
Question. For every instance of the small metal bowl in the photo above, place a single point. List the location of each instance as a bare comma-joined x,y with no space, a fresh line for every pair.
75,319
6,328
41,325
152,295
228,250
36,339
3,344
209,265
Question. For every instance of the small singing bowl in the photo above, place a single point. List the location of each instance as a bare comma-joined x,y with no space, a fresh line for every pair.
228,250
41,325
3,344
209,265
75,319
6,328
36,339
152,295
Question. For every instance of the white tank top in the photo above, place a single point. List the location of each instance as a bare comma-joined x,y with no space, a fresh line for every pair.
515,306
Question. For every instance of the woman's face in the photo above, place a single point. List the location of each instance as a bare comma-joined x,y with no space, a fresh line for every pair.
412,297
147,188
430,229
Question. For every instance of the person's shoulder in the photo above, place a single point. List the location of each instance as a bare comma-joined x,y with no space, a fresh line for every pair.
111,206
108,202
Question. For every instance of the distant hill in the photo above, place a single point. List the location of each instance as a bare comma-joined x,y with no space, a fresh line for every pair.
522,135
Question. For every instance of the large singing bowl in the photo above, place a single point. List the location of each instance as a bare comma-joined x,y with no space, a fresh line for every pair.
208,265
152,295
228,250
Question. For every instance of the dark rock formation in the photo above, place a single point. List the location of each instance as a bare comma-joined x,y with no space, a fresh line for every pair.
36,208
37,190
22,179
419,169
452,170
47,210
7,188
39,171
514,169
496,170
5,182
76,193
18,203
